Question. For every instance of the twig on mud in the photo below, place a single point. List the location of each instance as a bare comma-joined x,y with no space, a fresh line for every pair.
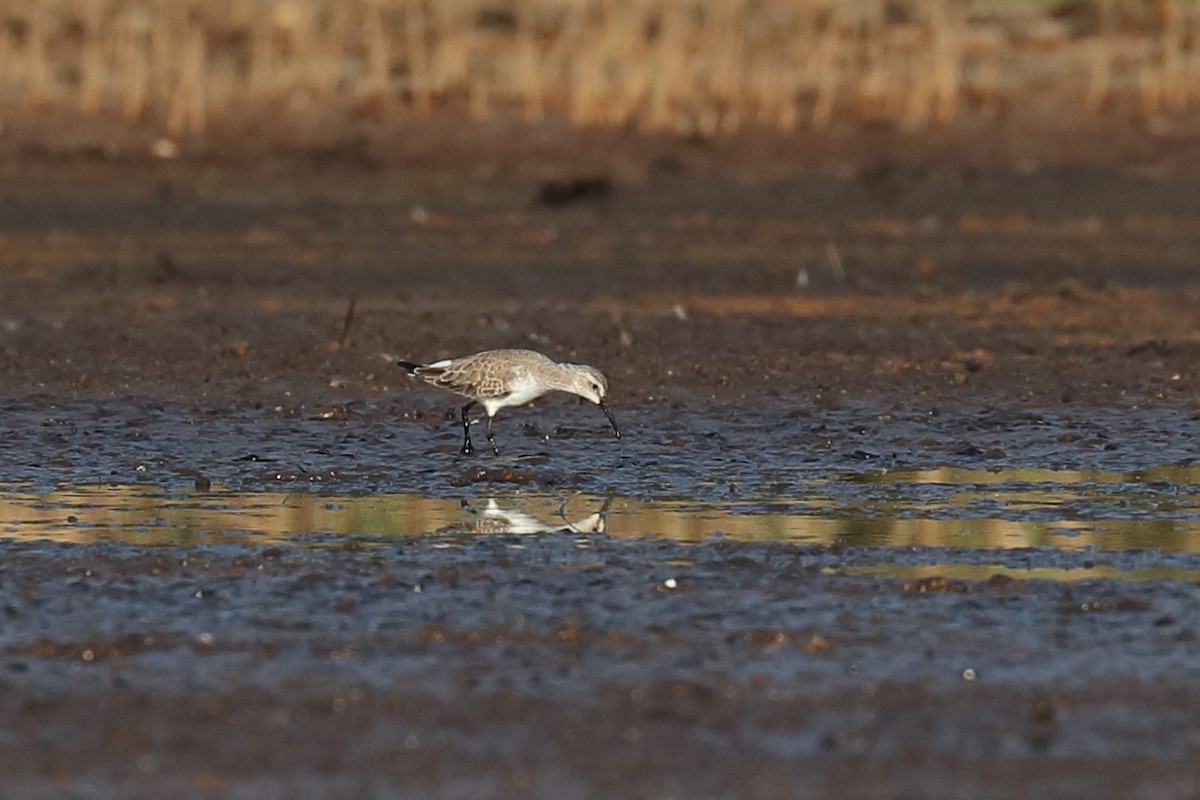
342,340
835,261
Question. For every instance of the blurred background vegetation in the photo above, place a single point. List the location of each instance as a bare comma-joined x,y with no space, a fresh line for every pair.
695,67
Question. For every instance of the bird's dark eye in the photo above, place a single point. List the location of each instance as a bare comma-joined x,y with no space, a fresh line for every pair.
595,387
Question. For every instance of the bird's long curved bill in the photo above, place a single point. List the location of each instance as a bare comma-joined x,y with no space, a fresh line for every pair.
611,418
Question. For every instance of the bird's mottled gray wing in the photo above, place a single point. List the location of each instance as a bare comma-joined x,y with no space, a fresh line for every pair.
479,376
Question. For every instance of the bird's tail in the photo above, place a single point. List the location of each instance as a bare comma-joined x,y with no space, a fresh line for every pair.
407,366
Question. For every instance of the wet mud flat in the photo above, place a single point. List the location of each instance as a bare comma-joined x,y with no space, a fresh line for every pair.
707,451
265,602
907,503
578,666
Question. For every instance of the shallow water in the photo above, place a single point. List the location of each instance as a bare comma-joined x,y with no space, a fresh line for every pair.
1108,480
949,507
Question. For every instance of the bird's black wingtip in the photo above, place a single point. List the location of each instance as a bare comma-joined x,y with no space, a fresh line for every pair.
407,366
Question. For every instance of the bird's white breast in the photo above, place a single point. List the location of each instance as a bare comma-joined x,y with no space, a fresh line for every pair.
523,388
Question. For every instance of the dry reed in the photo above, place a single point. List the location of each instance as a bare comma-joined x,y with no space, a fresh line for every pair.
689,66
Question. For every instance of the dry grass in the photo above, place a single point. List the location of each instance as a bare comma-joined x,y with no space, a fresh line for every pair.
690,66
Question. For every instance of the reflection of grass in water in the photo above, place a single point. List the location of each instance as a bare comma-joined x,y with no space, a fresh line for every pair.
982,572
706,66
962,476
1102,513
1107,534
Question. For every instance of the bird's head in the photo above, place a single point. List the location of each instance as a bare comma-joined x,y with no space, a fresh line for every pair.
589,383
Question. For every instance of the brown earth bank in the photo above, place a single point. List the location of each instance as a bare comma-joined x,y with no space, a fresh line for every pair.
951,267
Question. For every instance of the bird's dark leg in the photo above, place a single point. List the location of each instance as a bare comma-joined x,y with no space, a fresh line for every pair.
467,448
488,431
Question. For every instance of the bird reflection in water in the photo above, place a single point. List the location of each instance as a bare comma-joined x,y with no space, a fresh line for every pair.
491,518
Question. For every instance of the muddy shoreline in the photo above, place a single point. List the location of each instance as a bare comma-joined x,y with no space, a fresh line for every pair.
825,329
